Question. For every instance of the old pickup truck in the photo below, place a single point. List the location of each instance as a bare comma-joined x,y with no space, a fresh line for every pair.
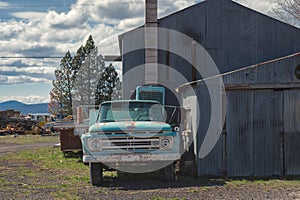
131,136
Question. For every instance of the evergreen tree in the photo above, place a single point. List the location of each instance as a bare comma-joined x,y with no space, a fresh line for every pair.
87,76
62,88
82,80
106,86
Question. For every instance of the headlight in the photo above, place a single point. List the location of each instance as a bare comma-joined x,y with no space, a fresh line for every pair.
94,144
166,142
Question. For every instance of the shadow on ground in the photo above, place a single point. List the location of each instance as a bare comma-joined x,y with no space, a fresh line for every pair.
150,181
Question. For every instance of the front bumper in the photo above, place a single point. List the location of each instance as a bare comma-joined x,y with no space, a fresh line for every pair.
131,158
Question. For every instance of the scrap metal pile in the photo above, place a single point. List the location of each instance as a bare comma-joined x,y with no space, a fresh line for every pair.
20,126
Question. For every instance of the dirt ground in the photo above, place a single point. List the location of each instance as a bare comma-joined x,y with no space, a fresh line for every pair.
128,187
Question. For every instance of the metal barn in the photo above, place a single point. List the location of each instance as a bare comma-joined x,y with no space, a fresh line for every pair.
261,136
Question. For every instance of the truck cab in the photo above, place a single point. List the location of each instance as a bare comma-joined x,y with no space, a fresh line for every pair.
131,136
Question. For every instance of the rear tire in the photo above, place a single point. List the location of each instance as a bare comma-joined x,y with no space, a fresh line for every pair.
169,172
96,176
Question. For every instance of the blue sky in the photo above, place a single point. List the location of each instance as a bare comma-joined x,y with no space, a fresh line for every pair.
50,28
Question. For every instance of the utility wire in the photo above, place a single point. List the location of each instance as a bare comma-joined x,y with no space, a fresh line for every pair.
88,4
30,57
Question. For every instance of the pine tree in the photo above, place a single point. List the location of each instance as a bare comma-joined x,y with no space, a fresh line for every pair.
87,76
106,86
61,93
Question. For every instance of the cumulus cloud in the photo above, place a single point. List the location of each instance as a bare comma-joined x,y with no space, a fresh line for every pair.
130,23
167,7
3,5
29,15
3,79
12,80
261,6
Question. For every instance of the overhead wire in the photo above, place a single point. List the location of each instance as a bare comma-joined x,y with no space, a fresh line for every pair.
88,4
30,57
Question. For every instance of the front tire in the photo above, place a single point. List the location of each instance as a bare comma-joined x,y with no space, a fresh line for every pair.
169,173
96,176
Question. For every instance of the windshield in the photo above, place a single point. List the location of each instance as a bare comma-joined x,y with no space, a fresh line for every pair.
131,111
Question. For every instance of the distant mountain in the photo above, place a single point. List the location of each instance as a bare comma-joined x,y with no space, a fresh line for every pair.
25,108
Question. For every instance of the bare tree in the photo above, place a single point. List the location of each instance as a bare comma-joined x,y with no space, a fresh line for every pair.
288,10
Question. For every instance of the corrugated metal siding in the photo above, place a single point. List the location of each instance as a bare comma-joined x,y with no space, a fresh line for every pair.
291,111
276,129
213,163
133,61
250,37
234,35
239,138
262,133
272,73
292,131
262,130
292,149
253,133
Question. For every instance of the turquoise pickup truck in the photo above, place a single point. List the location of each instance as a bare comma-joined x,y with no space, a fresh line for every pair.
131,136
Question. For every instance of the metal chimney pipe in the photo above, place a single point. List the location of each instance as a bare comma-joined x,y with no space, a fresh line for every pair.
151,56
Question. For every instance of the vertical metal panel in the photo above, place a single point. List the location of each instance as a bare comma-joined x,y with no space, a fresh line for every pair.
214,34
250,37
292,149
276,129
212,164
262,143
280,71
262,135
133,64
254,125
292,131
291,111
239,148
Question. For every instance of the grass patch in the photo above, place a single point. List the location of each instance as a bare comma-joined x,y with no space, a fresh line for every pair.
28,139
272,183
30,170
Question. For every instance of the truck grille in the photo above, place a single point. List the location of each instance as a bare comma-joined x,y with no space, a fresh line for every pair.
155,96
131,143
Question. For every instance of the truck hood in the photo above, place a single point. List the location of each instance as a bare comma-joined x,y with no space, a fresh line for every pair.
130,126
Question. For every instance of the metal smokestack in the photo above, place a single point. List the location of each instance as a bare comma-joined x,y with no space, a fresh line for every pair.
151,57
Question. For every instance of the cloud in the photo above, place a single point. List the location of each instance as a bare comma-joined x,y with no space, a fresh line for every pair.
258,5
13,78
31,99
29,15
130,23
72,19
168,7
36,72
4,5
3,79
